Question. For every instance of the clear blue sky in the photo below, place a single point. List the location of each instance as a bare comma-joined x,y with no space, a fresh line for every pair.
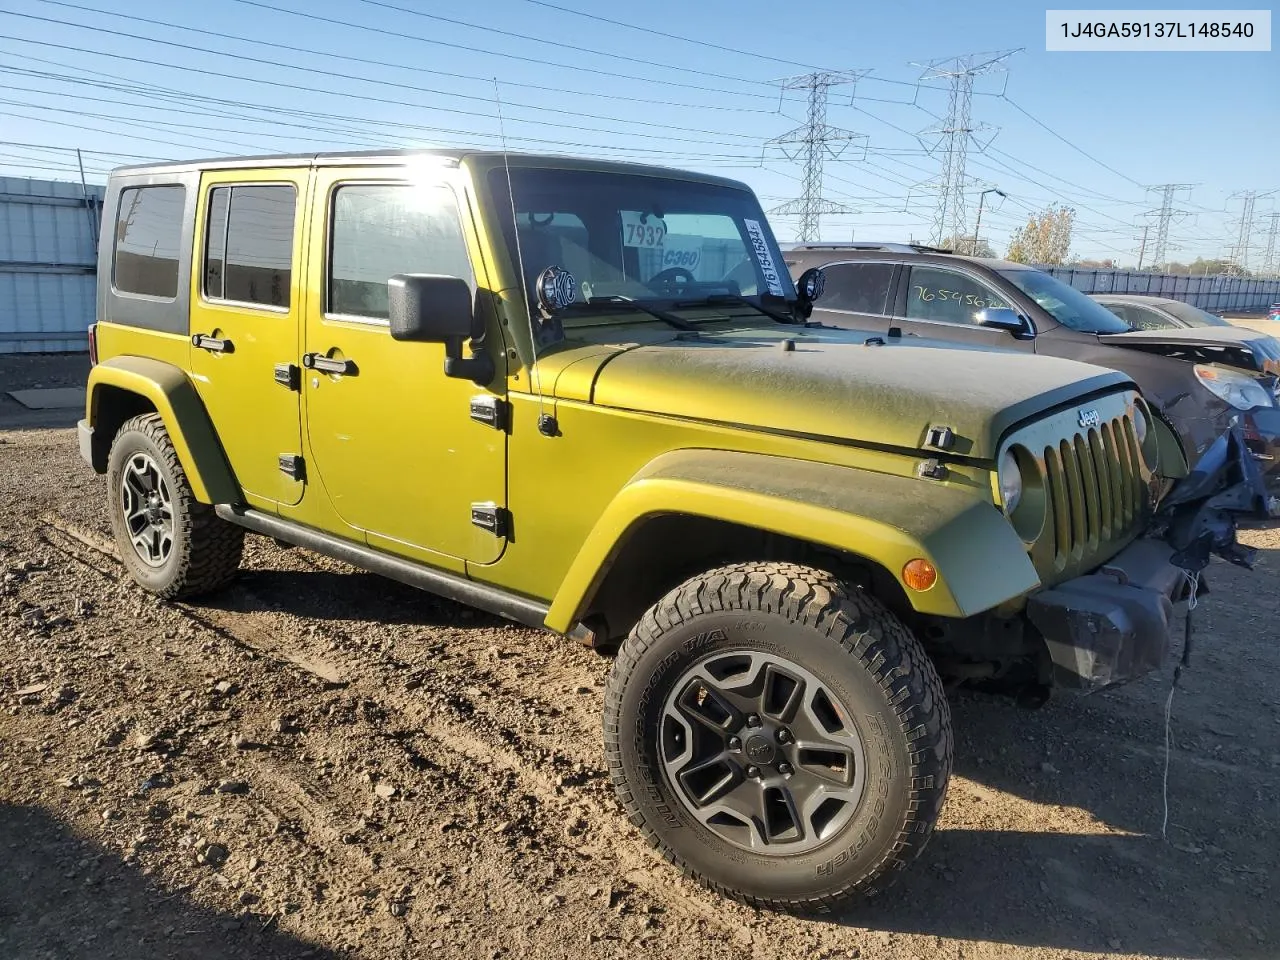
578,85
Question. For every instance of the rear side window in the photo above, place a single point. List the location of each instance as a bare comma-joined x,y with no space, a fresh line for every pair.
248,255
380,230
857,287
947,296
148,237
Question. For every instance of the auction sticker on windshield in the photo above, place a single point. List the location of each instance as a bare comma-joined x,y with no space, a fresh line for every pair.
642,229
765,258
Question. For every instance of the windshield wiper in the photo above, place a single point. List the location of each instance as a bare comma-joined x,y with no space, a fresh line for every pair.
713,299
628,303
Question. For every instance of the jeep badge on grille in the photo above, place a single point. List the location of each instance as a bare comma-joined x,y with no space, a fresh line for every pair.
1089,418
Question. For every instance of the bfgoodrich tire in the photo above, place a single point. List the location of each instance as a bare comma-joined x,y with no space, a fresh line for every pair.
778,736
173,545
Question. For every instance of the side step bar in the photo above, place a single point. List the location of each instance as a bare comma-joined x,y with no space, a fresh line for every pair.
511,606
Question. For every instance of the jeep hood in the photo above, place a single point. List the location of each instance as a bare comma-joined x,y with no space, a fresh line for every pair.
1232,346
830,385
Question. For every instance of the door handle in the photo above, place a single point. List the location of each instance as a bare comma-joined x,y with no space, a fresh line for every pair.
212,344
339,368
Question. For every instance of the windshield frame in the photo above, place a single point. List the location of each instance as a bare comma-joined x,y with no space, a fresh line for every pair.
758,244
1107,322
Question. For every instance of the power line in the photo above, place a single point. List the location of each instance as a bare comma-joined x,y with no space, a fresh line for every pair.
472,49
400,66
384,83
957,131
672,36
815,141
1084,153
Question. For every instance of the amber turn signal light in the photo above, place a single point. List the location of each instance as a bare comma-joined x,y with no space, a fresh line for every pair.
919,574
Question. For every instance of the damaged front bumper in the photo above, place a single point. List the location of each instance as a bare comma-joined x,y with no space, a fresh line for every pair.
1113,625
1262,437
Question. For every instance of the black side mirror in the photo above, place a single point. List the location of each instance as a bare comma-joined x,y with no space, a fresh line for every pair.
1001,318
809,288
426,308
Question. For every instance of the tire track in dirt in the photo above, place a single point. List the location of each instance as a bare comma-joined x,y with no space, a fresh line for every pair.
462,744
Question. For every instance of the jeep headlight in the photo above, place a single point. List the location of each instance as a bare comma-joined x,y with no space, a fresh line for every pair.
1239,390
1142,431
1010,475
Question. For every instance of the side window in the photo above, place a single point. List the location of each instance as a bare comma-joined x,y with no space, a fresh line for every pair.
936,294
379,230
248,255
1140,318
148,235
857,287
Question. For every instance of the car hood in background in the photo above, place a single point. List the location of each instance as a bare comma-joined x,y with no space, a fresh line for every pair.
1232,346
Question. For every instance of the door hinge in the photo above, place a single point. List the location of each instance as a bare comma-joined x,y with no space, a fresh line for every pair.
491,517
289,375
490,411
293,466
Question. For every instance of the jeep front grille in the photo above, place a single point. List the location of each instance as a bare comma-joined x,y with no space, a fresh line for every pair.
1095,488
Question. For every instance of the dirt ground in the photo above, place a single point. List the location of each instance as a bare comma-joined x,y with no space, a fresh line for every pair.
320,763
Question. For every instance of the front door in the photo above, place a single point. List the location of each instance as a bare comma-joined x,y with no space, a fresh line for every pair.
941,303
392,438
246,305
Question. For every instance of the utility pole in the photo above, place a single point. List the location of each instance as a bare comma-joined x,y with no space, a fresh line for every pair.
1143,248
815,142
977,224
956,132
1270,267
1165,215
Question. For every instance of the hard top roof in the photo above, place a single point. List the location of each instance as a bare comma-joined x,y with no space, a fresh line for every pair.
450,156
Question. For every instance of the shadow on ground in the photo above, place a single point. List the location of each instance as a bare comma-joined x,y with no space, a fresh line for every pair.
69,898
1069,892
330,595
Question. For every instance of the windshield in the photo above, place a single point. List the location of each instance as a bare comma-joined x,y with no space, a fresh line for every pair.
1067,305
1194,316
641,238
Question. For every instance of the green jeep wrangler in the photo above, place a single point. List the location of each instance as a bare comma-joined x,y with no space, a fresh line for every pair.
584,396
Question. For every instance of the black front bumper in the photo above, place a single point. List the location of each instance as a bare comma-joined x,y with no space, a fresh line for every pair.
1112,625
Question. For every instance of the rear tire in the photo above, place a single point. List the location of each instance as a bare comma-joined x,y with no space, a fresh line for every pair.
172,544
779,736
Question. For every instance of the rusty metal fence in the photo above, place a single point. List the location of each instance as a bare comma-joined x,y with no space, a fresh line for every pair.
1215,294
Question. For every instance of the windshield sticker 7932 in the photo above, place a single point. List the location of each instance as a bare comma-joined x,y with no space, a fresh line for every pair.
758,243
642,229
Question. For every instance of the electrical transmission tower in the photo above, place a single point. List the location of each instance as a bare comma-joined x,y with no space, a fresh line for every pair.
1244,238
1270,266
1164,216
956,132
815,142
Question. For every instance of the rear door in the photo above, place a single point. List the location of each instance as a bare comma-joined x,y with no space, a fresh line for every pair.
391,438
940,302
858,296
246,309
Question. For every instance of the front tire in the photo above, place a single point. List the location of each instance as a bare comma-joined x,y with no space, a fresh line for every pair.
173,545
779,736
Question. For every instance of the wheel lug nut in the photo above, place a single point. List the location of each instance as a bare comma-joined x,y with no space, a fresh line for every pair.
735,743
785,769
753,772
784,735
753,721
